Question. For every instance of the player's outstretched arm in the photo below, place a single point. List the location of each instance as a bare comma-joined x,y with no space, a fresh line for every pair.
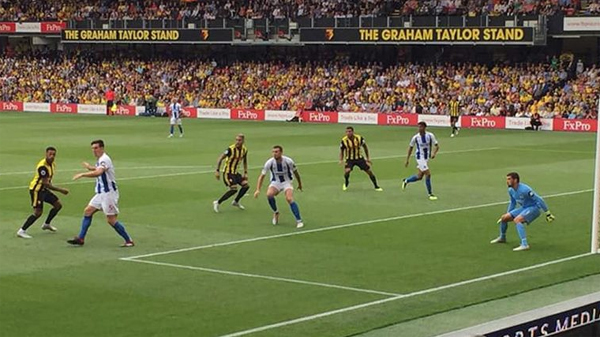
297,176
259,183
92,174
47,184
87,166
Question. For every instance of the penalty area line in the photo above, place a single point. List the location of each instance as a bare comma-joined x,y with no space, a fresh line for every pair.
266,277
386,300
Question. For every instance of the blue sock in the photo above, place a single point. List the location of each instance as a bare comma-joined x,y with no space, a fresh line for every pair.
181,129
503,228
428,184
121,230
296,211
172,129
85,225
272,203
522,235
412,179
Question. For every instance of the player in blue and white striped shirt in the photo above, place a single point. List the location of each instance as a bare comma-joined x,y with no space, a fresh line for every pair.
175,117
427,148
106,198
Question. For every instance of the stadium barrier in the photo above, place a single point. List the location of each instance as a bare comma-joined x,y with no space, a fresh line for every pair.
50,27
369,118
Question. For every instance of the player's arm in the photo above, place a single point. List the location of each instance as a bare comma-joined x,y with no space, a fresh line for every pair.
87,166
261,178
342,149
91,174
410,150
297,176
364,145
436,146
512,203
259,183
219,162
542,204
246,166
47,184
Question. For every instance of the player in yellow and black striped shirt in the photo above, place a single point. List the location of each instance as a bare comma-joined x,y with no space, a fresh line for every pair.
454,108
40,189
235,154
351,151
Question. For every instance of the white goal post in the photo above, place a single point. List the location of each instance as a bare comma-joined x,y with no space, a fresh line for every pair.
596,216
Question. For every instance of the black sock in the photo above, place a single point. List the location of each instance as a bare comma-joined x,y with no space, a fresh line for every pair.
227,195
52,214
347,178
374,180
29,222
241,193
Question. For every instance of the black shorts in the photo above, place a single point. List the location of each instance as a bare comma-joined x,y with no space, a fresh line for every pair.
40,197
232,179
361,163
453,119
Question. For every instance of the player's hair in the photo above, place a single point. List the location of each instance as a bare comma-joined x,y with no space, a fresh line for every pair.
50,148
278,147
241,135
514,175
349,128
423,124
100,142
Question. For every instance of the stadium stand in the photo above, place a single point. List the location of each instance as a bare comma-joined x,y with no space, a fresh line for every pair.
557,88
32,10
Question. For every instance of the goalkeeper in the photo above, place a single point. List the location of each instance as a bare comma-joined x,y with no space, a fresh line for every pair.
530,203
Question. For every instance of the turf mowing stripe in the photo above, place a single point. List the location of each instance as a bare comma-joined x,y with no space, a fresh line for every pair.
272,278
353,224
252,167
422,292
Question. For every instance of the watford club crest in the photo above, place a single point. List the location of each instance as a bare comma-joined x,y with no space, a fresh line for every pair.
204,33
329,34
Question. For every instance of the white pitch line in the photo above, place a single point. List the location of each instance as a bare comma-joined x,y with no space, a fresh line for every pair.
422,292
253,167
353,224
272,278
120,168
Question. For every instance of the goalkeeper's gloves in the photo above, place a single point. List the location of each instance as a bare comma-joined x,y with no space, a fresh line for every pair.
549,217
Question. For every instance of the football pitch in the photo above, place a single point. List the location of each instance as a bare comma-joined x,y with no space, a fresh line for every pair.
364,259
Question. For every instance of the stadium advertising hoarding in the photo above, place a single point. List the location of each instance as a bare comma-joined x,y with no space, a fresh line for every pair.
479,35
331,117
51,27
581,24
147,35
552,325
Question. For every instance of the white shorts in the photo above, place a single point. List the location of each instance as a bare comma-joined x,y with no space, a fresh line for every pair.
422,164
281,186
107,202
175,121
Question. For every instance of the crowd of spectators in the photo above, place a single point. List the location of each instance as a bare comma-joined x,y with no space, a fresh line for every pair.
49,10
561,87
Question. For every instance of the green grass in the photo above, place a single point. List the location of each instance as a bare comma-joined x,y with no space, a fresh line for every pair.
167,187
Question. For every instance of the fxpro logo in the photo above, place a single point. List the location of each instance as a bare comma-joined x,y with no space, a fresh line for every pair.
6,27
397,120
483,123
122,110
318,117
9,106
52,27
247,114
64,108
577,126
